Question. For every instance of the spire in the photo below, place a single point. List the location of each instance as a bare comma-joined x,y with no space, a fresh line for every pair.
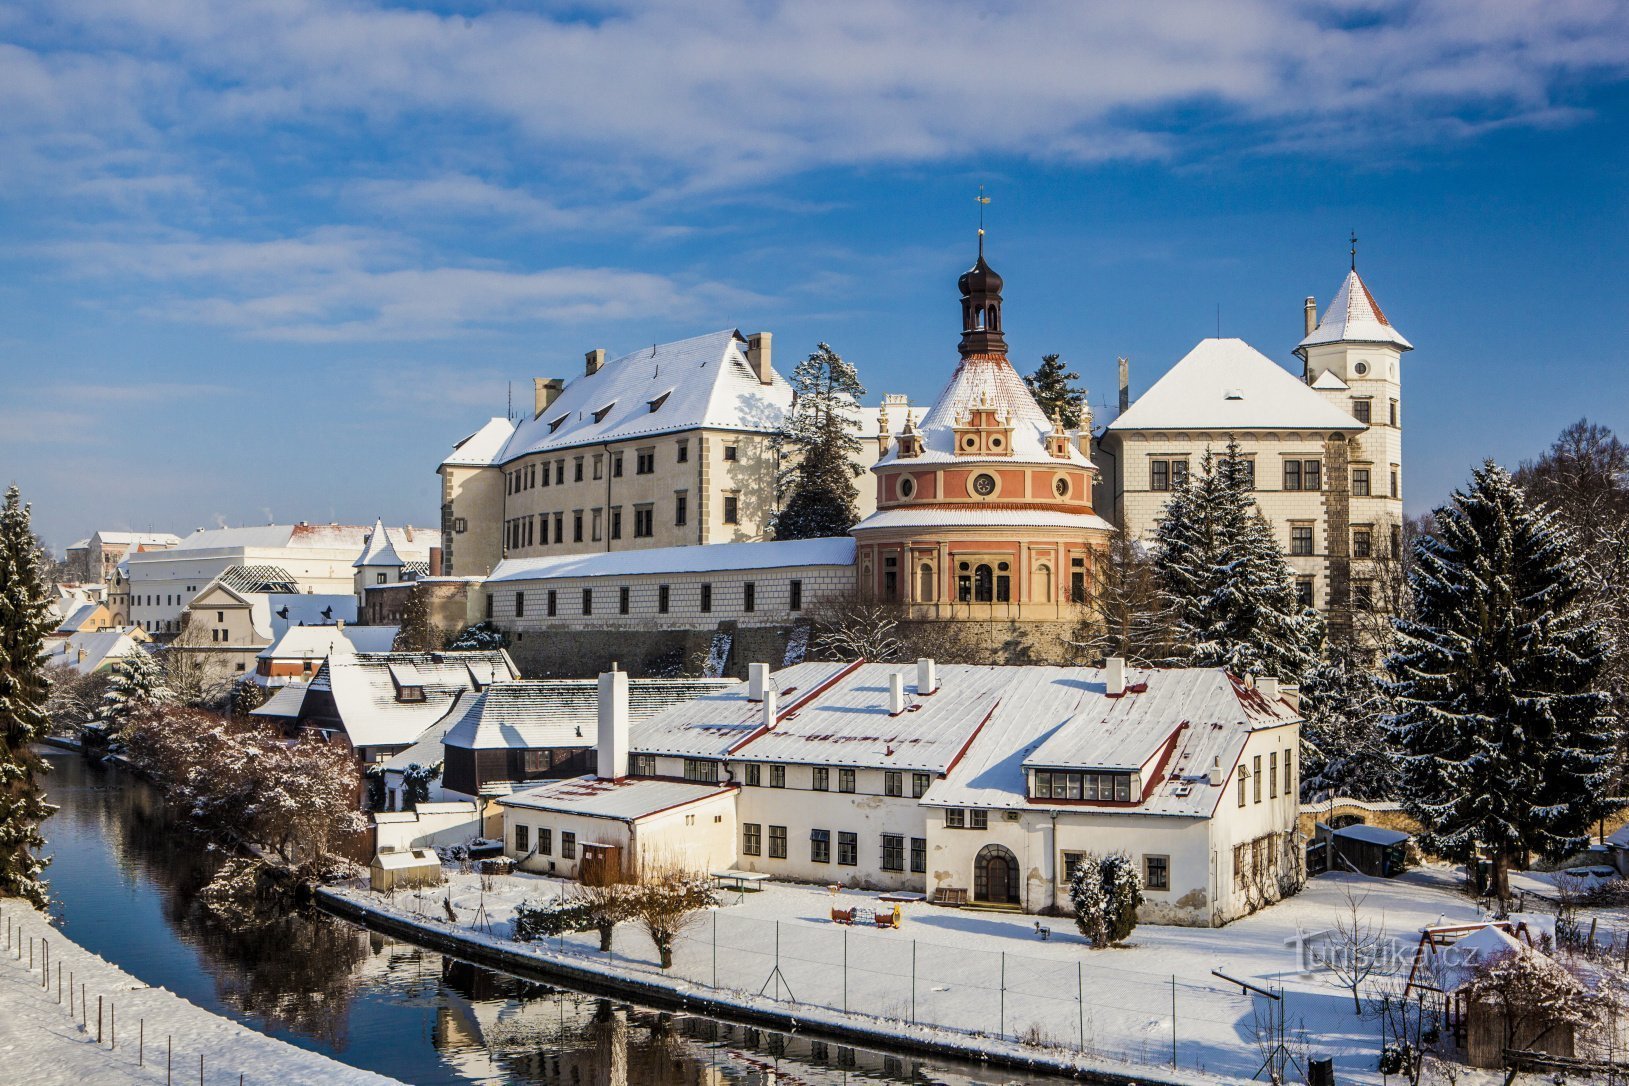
1354,317
981,308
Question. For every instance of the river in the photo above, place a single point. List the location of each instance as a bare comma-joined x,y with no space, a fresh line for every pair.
124,882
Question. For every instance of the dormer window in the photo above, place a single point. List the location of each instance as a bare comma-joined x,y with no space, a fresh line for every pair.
1081,786
555,425
410,693
656,404
599,416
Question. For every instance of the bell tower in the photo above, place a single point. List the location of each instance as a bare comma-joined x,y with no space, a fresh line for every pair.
981,309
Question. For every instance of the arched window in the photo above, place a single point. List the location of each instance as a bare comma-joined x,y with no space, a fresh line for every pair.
993,319
924,583
964,583
995,875
1043,583
978,319
983,584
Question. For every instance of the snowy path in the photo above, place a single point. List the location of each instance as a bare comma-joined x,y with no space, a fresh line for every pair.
990,974
41,1043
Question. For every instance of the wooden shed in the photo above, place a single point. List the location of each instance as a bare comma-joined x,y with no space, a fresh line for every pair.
1370,850
405,870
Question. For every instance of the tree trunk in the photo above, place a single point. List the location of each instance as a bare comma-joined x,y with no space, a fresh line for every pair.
606,931
664,948
1499,878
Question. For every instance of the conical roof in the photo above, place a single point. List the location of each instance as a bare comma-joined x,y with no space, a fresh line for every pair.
986,381
1354,317
380,550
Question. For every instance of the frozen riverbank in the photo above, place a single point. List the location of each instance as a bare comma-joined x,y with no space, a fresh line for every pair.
142,1029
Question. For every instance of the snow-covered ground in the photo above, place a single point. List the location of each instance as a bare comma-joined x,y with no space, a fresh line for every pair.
991,973
41,1043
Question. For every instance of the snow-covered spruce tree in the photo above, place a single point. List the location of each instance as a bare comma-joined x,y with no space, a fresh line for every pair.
482,635
135,684
25,622
1235,593
1052,385
418,633
1500,708
1345,745
247,696
1087,899
1122,894
820,444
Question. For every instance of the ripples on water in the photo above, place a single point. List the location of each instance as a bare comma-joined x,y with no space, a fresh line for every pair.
124,881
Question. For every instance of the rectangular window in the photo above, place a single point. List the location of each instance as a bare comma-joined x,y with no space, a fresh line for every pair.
596,528
919,854
749,597
1292,475
732,509
559,527
489,607
520,604
568,845
662,595
684,452
577,470
1360,482
754,774
1394,412
1157,872
700,769
845,780
554,603
1300,539
523,839
777,842
1159,477
1071,864
559,473
1362,543
1272,775
1289,773
577,526
1361,411
642,765
1312,475
616,522
919,785
1303,591
955,818
729,453
545,842
706,598
681,509
1179,473
848,849
978,820
599,466
1239,871
1247,472
588,601
644,521
1396,486
1255,775
645,462
893,852
820,846
534,761
893,783
622,600
1396,540
752,838
820,779
795,595
777,776
1363,595
1244,776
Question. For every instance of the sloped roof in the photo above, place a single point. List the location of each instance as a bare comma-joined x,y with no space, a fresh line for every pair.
79,618
348,538
1354,317
284,703
832,551
365,690
703,381
126,539
380,549
540,713
317,642
1227,385
624,800
101,648
482,448
1327,381
311,609
987,381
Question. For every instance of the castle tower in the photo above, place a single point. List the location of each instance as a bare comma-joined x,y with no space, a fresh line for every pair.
984,507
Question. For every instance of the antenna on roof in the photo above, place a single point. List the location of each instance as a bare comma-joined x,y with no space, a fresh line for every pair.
509,412
1218,320
1354,250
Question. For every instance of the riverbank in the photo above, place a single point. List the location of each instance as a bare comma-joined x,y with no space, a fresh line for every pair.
142,1028
420,918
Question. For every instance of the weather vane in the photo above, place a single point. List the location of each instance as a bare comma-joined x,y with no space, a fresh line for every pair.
983,202
1354,250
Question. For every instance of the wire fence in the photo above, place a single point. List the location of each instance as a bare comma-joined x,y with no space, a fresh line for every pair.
95,1013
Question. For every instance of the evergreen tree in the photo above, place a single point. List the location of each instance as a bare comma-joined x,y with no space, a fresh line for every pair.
1122,895
247,696
1500,714
1235,594
821,444
25,622
1345,747
482,635
1086,897
135,683
1053,388
417,632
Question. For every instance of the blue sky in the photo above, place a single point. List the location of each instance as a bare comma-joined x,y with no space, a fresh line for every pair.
270,260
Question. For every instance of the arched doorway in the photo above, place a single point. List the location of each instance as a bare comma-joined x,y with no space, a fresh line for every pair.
995,875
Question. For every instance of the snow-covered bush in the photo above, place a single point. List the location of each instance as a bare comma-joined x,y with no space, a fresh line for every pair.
1106,892
482,636
539,920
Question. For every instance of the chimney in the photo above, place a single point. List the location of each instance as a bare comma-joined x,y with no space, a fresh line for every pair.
544,391
1268,686
435,561
407,530
1114,676
927,677
1125,385
757,681
613,737
896,693
594,360
770,708
758,357
1311,318
1217,774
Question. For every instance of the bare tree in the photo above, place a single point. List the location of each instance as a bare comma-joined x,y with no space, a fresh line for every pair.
1128,611
856,626
194,674
610,898
1357,948
669,898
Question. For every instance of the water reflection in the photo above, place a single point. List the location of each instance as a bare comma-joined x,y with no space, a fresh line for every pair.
126,885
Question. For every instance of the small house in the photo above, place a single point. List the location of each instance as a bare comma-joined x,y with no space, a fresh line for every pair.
1368,850
404,870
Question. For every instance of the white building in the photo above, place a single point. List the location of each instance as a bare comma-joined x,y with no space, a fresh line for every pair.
316,557
391,556
968,783
1325,446
296,655
91,651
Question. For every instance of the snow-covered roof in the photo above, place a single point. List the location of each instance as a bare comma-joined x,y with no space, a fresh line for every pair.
1619,838
380,548
284,703
408,860
482,448
713,557
1328,382
1452,971
82,617
543,713
262,579
99,648
348,538
625,800
982,517
310,609
987,381
129,539
317,642
1373,835
1180,723
703,381
366,690
1228,385
1354,317
426,750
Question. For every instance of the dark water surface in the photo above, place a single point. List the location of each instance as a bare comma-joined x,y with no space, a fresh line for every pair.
124,882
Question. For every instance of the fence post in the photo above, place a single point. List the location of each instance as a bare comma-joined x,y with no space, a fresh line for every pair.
845,970
98,1019
30,953
141,1042
200,1069
1173,1021
112,1024
715,950
70,993
913,982
45,970
169,1058
1080,1001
